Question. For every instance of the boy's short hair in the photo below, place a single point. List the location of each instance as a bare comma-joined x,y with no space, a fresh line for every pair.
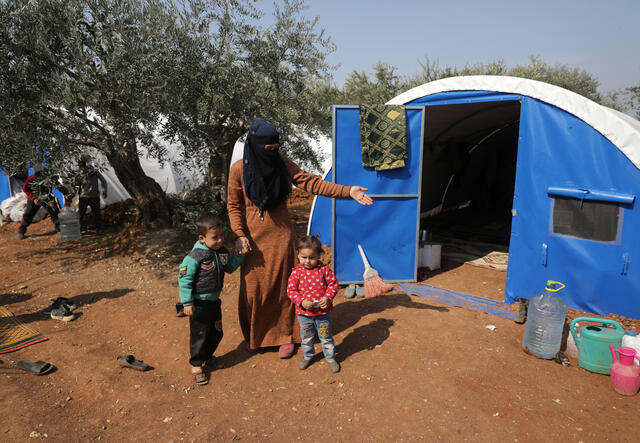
310,242
208,221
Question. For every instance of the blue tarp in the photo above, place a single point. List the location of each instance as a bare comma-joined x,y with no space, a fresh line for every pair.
555,150
5,190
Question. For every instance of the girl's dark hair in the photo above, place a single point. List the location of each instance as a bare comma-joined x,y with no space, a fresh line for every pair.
310,242
208,221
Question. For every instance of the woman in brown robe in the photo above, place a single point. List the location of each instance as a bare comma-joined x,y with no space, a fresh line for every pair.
258,188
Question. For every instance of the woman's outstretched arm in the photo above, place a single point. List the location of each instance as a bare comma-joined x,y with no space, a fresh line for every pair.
315,185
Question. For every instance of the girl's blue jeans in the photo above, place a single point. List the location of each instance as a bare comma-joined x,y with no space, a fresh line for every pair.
320,324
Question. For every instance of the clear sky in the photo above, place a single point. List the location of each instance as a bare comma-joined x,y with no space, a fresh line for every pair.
601,36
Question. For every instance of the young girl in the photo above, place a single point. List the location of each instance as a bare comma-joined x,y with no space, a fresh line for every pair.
312,287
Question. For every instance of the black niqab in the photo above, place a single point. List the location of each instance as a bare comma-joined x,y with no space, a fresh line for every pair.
266,179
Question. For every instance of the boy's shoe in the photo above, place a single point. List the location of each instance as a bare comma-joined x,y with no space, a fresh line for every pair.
334,366
304,363
359,291
200,377
20,236
62,313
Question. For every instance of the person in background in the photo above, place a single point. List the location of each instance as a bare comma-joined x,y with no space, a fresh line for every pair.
89,191
39,195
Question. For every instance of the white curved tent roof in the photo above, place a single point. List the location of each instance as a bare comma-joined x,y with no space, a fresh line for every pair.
620,129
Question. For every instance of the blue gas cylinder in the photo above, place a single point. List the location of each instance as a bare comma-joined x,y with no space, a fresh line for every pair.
545,322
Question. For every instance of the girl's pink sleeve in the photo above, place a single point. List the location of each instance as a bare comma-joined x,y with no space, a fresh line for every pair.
292,288
332,283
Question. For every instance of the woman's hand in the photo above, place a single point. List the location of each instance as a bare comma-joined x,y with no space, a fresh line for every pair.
356,193
243,246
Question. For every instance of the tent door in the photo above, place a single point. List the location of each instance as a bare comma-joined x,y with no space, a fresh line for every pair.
388,230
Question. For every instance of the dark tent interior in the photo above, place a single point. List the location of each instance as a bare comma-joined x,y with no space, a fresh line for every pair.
469,168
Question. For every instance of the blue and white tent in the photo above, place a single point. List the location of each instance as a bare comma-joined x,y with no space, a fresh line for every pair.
551,173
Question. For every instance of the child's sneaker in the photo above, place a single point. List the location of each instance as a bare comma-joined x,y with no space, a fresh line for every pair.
304,363
334,366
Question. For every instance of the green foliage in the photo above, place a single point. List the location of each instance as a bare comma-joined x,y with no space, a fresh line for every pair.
574,79
237,71
188,207
78,75
632,100
384,84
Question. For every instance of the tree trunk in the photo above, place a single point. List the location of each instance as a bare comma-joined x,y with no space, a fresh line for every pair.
146,193
218,168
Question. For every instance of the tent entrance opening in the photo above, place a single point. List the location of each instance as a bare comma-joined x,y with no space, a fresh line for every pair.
468,179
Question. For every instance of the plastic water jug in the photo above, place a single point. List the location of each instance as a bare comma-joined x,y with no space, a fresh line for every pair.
631,339
69,225
545,322
593,343
625,375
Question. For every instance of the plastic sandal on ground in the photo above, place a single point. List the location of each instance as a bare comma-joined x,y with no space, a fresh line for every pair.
36,367
129,361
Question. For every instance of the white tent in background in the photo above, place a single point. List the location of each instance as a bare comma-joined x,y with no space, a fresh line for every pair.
171,178
322,146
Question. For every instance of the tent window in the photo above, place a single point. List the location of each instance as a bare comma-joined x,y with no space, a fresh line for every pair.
587,219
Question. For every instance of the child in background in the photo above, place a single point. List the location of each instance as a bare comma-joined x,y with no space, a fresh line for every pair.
312,287
201,278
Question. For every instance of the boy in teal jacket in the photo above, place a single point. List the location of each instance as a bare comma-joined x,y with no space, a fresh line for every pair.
201,278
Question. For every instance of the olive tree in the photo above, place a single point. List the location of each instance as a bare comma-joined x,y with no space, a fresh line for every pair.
234,66
87,75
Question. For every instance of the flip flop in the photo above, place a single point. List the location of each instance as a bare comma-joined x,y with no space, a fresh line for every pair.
129,361
36,367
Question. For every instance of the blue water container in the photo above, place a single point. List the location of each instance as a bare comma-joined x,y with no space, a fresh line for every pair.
545,322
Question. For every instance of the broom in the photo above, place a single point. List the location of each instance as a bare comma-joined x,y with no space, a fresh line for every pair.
373,284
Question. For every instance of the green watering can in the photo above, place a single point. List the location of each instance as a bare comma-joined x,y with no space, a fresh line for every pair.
593,343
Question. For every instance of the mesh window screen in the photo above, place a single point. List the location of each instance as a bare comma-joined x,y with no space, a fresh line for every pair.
591,220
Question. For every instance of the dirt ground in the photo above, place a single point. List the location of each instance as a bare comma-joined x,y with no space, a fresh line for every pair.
411,369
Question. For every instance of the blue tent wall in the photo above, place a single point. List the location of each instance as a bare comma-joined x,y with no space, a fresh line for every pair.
557,149
384,230
5,190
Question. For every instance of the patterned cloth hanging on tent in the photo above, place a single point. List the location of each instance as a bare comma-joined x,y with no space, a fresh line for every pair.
383,135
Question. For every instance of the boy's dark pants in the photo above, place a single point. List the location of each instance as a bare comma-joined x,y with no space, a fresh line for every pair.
206,330
94,204
30,212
